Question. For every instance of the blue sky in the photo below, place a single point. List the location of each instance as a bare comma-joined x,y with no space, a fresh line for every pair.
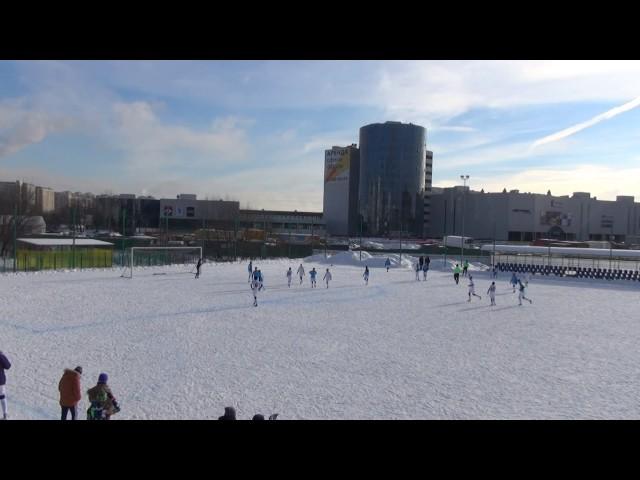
256,131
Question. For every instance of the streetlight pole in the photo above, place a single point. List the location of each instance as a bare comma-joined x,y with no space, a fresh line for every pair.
401,242
464,196
15,234
290,239
610,246
73,247
360,237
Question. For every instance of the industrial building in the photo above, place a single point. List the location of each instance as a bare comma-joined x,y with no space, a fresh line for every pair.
183,213
515,216
283,223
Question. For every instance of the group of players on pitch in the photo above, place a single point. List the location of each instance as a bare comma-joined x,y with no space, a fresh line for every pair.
514,282
256,279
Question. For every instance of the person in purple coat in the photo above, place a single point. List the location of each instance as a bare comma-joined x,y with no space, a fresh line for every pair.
4,365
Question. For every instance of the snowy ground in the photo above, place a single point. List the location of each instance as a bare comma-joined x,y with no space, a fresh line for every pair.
179,348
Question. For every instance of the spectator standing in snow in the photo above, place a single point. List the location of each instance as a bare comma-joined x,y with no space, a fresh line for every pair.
229,414
70,392
5,364
103,403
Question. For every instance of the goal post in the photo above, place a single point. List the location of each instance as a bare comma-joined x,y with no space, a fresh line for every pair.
169,256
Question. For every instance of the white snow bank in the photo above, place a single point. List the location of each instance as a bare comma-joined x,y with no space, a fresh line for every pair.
371,261
389,244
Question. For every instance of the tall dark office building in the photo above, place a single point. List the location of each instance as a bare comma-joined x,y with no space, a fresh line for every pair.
428,175
392,178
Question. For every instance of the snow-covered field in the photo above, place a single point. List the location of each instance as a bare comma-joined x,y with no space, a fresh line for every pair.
179,348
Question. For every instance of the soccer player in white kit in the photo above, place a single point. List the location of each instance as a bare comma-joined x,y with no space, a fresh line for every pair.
492,293
521,294
418,270
472,289
255,286
300,272
289,275
327,277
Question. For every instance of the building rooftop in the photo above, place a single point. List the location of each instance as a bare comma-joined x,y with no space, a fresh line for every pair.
60,242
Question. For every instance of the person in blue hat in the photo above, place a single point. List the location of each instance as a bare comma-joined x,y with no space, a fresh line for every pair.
103,403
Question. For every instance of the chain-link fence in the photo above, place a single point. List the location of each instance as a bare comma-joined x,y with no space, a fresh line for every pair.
35,260
558,260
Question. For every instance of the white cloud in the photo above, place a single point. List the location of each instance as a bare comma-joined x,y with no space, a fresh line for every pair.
426,91
21,126
319,143
453,128
151,143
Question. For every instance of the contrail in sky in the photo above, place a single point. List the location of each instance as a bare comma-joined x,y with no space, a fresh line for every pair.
589,123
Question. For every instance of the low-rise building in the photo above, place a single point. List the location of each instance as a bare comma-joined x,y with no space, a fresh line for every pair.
515,216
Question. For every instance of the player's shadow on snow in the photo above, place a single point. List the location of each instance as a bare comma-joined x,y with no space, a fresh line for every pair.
474,308
451,304
508,307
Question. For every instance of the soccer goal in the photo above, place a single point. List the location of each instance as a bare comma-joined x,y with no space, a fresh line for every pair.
162,260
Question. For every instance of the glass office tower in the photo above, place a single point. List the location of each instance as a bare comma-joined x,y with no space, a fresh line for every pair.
392,178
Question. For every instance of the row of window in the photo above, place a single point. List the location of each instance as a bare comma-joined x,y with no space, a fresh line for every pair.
285,226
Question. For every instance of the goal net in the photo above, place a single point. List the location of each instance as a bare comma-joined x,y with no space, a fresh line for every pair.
161,261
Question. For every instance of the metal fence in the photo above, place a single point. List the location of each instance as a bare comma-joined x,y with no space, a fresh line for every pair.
568,261
36,260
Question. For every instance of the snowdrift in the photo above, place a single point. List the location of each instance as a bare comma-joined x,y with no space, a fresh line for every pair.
377,261
388,244
353,259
